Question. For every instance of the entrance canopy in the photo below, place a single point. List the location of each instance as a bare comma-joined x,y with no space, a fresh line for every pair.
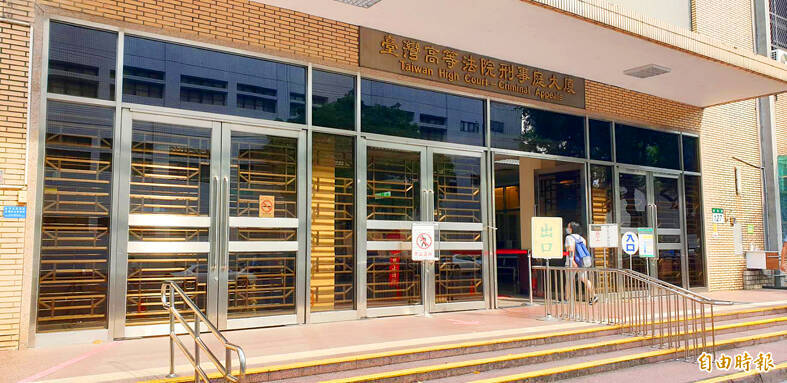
598,42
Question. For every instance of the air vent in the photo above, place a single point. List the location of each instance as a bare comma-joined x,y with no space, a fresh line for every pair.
646,71
360,3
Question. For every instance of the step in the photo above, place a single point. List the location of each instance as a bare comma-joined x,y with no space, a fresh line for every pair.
400,356
459,365
679,371
617,360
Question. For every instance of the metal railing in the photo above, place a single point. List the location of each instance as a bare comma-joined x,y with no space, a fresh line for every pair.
169,290
665,315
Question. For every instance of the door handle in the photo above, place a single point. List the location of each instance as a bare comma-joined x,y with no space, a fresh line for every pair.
224,258
213,238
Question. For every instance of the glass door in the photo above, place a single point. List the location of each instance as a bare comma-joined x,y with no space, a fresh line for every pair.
649,200
213,206
634,212
396,197
458,204
261,263
169,185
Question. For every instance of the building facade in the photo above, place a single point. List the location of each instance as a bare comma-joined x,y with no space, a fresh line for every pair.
272,156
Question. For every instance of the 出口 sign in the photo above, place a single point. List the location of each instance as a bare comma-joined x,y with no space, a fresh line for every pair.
392,53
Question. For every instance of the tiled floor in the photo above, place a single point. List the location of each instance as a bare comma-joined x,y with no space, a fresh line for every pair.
131,360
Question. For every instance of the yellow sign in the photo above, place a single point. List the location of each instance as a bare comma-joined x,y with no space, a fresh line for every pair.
267,206
547,236
410,57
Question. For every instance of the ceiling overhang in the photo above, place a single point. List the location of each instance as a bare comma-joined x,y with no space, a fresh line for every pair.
583,39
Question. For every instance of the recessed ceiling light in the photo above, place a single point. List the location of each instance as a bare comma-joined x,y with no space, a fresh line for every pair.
646,71
508,161
360,3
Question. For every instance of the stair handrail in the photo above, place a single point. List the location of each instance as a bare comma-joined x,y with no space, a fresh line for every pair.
169,290
665,315
679,289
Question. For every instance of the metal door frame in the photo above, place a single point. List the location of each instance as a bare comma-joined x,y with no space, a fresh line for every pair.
299,223
652,215
426,181
462,226
217,255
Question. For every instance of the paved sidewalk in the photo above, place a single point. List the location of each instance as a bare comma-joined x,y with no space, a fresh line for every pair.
132,360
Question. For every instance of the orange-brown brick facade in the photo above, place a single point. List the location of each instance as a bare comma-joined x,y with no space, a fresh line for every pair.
727,132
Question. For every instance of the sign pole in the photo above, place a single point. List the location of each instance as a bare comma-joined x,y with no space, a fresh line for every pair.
530,277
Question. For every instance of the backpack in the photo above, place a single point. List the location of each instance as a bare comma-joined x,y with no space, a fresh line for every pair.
582,256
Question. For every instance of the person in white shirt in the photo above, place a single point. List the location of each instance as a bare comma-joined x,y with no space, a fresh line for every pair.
572,237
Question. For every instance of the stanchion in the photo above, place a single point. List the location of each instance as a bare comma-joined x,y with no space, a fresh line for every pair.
530,278
547,296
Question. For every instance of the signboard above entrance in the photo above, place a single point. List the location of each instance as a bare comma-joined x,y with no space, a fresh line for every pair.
410,57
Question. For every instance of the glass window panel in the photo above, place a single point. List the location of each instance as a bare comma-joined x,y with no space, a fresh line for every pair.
696,252
333,219
179,76
600,140
691,157
81,61
393,189
392,277
667,202
783,191
646,147
170,176
73,268
416,113
561,193
601,194
537,131
263,184
669,266
333,100
633,200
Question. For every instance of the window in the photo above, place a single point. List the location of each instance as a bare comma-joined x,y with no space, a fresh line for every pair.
81,61
695,256
497,126
179,76
539,131
691,157
416,113
333,100
468,126
783,192
778,10
646,147
600,140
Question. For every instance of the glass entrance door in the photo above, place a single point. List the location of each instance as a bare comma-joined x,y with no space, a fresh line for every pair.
406,184
653,201
214,207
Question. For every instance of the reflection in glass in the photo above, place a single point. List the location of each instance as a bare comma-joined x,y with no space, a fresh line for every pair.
667,198
633,200
561,193
179,76
393,190
73,271
695,256
691,153
81,61
537,131
170,175
600,140
669,266
333,100
392,278
333,218
263,184
602,206
457,198
393,193
646,147
416,113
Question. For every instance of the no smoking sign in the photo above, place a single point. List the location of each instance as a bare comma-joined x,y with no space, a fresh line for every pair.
267,206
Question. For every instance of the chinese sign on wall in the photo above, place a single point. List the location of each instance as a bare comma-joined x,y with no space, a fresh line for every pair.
392,53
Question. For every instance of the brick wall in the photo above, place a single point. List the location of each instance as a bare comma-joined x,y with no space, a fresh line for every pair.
14,57
728,132
238,22
780,113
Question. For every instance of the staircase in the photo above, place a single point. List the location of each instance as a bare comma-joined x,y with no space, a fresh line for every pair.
634,340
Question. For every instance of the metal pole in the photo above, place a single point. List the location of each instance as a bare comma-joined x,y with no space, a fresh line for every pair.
171,333
530,275
196,349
